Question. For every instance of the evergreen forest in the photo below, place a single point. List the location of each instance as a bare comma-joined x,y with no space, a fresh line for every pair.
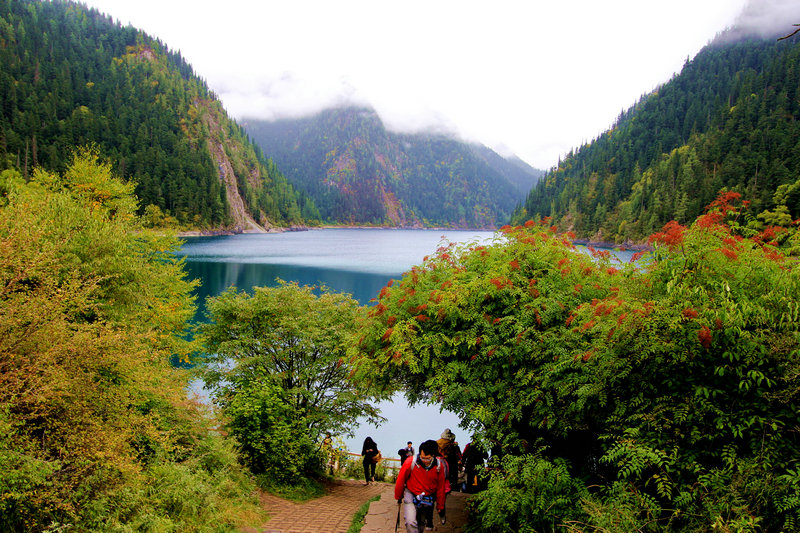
72,77
728,121
657,395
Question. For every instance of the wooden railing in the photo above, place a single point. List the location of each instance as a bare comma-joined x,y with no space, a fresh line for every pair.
390,463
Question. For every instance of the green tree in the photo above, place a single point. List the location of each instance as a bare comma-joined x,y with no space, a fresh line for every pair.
277,369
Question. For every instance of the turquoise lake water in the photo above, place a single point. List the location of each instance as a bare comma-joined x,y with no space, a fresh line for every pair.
357,261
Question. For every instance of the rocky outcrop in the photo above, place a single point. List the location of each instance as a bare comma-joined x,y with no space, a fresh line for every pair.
243,222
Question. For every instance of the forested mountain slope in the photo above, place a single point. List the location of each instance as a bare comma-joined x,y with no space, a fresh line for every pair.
357,172
727,120
72,77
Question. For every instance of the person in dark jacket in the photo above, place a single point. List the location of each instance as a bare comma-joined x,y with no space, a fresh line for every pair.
405,453
472,459
369,451
449,449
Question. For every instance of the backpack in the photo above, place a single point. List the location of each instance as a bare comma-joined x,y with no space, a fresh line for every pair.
402,453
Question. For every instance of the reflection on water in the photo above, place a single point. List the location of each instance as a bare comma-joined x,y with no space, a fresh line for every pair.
216,277
358,250
357,262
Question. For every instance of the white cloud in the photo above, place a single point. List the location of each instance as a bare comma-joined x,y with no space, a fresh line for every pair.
768,18
538,77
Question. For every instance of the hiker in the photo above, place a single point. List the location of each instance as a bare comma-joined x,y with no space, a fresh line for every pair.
402,454
405,453
420,485
449,449
327,452
369,451
472,459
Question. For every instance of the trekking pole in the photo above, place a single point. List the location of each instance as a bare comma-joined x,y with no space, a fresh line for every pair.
397,523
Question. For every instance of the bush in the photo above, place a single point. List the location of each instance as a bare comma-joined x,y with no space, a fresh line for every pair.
668,386
527,494
96,432
207,492
273,439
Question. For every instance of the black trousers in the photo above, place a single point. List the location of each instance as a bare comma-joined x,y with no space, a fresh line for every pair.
424,517
369,466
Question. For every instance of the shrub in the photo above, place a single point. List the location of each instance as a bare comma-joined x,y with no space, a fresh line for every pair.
96,432
527,494
668,386
273,439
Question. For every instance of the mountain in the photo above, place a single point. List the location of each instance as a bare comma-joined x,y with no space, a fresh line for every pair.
71,77
518,172
357,172
727,121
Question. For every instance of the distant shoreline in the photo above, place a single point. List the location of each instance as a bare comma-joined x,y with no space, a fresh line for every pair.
416,228
221,232
579,242
614,246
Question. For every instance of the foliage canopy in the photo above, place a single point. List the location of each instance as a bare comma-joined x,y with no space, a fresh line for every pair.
94,421
668,385
276,369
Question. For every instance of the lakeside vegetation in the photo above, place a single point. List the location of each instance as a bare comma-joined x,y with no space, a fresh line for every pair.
96,431
655,396
659,395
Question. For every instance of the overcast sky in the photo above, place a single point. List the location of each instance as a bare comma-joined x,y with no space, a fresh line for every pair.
532,77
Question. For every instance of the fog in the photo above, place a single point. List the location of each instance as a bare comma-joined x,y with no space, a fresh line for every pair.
533,78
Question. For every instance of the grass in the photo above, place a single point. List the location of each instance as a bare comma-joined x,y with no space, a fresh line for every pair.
305,490
358,518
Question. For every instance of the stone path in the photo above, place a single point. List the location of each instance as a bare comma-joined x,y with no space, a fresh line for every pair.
333,513
382,515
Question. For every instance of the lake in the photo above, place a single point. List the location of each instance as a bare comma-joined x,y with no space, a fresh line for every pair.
356,261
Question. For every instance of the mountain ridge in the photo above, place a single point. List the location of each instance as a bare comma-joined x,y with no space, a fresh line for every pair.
725,122
360,173
72,77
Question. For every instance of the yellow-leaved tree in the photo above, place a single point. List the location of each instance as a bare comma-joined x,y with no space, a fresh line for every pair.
96,432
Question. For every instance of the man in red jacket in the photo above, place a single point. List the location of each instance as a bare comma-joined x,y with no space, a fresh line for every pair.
420,484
